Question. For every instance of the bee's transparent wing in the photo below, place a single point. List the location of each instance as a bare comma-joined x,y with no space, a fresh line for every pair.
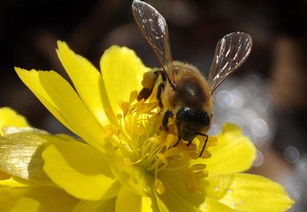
231,51
154,28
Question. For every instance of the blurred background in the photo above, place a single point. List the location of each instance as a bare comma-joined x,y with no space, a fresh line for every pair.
266,96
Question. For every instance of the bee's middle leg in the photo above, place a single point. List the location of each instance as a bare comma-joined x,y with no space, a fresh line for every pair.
166,116
159,92
144,94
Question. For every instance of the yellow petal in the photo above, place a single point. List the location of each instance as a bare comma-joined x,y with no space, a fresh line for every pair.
53,199
9,118
233,153
79,169
250,189
217,186
211,205
9,196
107,205
63,102
128,201
147,204
160,204
176,184
86,79
12,130
20,155
247,192
14,183
26,199
26,204
176,192
122,73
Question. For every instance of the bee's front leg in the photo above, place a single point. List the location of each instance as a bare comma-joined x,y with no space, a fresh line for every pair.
203,148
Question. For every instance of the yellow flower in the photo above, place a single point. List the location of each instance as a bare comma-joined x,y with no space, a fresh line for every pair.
124,161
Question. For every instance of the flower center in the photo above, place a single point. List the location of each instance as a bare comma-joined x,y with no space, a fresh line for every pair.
140,142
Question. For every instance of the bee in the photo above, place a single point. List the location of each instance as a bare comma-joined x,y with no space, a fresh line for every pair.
184,93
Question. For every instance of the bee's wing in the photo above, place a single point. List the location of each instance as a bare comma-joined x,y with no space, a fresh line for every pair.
154,28
231,51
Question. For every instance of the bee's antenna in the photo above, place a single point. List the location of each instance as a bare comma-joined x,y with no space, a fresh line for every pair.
202,150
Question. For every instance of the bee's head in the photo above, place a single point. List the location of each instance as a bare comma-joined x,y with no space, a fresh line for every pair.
190,122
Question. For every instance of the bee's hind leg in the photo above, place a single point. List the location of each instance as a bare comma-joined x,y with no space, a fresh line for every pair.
149,80
148,83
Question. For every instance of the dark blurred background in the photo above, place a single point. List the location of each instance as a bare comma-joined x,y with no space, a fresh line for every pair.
266,97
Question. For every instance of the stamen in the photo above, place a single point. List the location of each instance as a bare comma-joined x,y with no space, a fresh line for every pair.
198,166
110,130
159,186
206,154
201,174
133,96
170,140
162,157
128,162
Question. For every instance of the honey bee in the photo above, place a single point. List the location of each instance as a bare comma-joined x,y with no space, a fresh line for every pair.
183,93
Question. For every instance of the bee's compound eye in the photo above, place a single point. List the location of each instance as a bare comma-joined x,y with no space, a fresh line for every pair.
184,114
188,115
204,118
